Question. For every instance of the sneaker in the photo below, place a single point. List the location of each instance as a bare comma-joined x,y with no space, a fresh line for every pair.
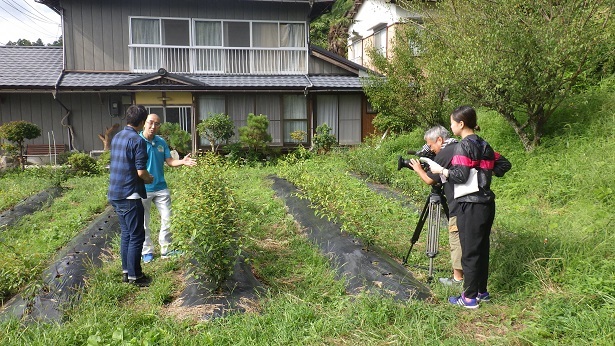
171,253
483,297
450,281
124,277
148,257
143,281
468,303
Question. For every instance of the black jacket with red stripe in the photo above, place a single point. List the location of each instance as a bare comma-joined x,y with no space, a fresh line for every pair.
475,152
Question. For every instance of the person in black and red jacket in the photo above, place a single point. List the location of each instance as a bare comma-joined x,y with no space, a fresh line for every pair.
476,208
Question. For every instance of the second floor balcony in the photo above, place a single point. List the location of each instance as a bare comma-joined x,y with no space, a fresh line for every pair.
218,60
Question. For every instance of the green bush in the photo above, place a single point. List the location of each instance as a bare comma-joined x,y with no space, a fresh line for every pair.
83,164
255,135
17,132
104,160
218,128
204,218
176,138
323,140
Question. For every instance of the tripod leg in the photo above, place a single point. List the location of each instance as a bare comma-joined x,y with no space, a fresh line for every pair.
433,227
418,229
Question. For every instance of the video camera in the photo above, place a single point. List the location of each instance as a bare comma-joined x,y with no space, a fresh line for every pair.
424,152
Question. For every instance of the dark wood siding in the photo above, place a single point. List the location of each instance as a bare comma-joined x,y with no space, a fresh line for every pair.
89,116
319,66
96,32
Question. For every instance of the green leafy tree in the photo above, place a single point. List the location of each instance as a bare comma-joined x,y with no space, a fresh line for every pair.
176,138
17,132
255,135
330,30
400,96
519,58
218,128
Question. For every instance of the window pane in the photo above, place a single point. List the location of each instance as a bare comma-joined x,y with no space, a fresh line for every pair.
326,112
295,115
208,33
175,32
294,107
349,119
269,105
265,35
292,35
208,106
236,34
291,126
380,41
145,31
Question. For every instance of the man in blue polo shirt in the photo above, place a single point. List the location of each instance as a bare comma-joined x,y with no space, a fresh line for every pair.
128,175
158,192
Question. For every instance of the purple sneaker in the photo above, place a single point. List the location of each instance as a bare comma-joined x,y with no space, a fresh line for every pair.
483,297
468,303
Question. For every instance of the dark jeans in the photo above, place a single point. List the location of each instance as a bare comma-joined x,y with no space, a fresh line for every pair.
130,214
474,222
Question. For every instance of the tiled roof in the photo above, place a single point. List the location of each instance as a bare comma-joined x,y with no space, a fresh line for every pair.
41,67
77,80
30,67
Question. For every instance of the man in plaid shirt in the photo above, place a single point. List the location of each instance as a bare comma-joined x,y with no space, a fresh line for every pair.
128,176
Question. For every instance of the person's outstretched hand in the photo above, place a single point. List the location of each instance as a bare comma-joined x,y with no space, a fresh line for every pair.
433,166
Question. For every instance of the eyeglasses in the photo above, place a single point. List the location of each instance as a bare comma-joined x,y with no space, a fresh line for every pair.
153,123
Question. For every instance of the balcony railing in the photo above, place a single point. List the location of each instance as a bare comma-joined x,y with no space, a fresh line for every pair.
146,59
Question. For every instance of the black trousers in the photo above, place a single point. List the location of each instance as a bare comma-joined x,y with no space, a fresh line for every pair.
474,221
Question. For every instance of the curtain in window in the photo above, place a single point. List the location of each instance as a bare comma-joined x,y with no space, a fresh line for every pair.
269,105
145,31
349,119
326,112
265,35
208,33
295,115
239,106
209,105
292,35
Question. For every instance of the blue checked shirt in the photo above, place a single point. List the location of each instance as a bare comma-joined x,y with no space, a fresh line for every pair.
128,154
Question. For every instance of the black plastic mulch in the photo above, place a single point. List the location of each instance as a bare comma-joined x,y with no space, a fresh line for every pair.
64,278
28,206
372,270
364,271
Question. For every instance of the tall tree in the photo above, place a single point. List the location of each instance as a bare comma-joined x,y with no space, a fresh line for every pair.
330,30
520,58
400,96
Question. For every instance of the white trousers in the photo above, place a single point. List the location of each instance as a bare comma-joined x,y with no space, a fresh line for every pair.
162,200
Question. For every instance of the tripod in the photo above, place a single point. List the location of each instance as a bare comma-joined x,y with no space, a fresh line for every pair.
430,213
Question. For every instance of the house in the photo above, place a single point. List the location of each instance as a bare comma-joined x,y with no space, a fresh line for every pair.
373,25
184,60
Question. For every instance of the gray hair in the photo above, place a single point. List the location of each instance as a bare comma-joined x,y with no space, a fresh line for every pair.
435,132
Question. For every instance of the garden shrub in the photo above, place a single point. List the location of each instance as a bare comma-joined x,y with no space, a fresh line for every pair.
323,139
205,220
176,138
83,164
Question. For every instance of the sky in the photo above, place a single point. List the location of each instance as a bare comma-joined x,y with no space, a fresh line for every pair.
29,20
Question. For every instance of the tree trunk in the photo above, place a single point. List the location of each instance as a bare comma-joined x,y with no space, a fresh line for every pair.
106,138
527,142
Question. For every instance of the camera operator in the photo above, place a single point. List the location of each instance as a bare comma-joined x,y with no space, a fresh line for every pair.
437,138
